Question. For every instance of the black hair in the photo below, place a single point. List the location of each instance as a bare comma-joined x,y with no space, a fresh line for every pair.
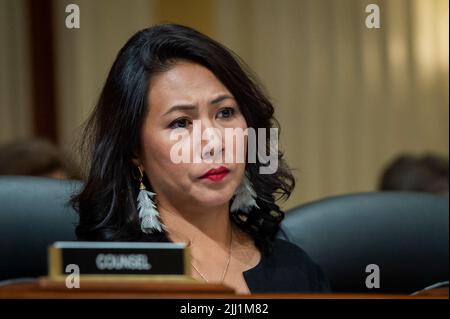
107,204
427,173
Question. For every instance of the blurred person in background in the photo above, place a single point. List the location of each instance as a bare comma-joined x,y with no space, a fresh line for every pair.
427,173
36,157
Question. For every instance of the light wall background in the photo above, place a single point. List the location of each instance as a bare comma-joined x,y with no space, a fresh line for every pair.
15,77
349,99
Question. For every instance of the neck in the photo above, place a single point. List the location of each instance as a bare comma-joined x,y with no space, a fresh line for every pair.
197,226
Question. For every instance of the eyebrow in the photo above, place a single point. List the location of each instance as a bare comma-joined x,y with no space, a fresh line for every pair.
190,107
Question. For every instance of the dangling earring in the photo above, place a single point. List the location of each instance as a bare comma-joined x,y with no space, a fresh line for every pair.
245,197
148,213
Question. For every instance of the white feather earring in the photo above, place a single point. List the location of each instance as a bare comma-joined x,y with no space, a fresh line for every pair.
148,214
245,196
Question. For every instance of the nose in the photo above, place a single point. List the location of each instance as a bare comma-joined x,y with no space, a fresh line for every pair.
212,146
213,152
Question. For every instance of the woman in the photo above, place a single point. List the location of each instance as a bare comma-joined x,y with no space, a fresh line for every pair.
163,80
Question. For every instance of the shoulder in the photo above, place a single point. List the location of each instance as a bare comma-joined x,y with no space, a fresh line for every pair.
287,253
283,249
293,269
299,265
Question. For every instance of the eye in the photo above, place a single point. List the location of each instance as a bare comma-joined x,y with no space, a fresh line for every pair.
226,112
180,123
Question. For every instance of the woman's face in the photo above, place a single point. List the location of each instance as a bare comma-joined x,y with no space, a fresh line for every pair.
189,92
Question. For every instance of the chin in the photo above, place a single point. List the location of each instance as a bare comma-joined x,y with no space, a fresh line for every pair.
214,198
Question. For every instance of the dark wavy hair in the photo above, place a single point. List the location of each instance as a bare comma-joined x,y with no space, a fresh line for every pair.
107,204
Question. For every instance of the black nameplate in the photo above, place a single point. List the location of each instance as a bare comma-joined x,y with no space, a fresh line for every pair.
119,259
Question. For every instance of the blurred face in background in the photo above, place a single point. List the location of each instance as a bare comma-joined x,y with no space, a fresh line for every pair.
185,93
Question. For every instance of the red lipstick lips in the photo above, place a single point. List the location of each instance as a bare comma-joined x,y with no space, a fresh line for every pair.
216,174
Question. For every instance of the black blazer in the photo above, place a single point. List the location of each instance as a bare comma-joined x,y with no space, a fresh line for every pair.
287,269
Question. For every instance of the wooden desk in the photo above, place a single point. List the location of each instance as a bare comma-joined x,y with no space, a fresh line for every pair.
45,289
